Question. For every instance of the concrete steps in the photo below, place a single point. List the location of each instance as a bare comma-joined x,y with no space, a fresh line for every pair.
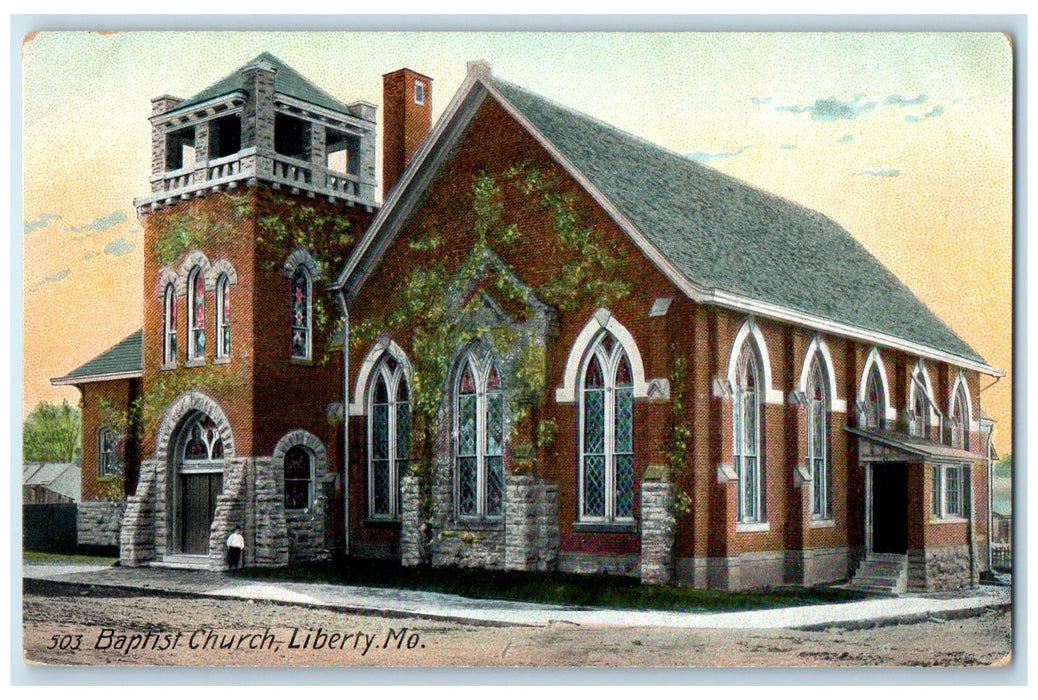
183,561
881,573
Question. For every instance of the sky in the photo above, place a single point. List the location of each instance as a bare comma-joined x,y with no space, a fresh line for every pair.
905,139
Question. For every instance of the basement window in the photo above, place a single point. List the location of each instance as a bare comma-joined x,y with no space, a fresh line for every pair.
419,92
180,149
225,136
343,152
291,137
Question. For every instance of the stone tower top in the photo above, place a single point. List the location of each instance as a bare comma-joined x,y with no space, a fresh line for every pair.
262,123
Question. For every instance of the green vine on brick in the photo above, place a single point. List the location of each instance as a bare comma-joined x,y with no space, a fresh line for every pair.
438,307
680,438
184,229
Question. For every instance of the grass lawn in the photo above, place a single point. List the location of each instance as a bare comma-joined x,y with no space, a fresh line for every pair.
570,589
52,558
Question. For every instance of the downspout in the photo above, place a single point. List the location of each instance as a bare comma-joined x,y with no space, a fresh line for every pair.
341,300
991,478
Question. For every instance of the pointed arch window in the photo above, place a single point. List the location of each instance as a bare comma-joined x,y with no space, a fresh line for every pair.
299,478
301,313
203,443
223,316
107,460
389,426
746,443
919,420
818,441
607,434
479,437
196,314
169,326
960,418
875,399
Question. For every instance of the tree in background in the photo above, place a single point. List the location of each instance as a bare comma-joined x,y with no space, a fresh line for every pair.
51,433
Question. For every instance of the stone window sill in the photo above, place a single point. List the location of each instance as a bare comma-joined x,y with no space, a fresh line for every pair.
301,361
478,525
948,520
823,523
222,361
199,362
621,528
752,527
168,366
386,523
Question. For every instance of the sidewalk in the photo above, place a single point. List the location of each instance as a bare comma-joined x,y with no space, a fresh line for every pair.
387,601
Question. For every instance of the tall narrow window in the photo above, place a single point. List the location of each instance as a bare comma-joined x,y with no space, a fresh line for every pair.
390,428
223,317
818,441
107,463
301,325
479,442
196,314
948,496
919,422
747,436
299,478
960,419
169,325
607,434
875,400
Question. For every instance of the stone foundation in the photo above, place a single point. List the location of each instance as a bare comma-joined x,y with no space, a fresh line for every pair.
811,567
137,538
98,523
941,569
746,571
590,563
657,532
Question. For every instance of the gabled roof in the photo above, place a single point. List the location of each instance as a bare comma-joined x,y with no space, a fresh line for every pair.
287,81
121,361
64,478
914,446
719,239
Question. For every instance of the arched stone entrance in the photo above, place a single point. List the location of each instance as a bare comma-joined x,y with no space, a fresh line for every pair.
197,484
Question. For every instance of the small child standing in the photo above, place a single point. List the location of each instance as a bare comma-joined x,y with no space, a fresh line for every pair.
235,545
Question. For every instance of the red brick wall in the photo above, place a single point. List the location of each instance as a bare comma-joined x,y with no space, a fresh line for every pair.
118,394
404,123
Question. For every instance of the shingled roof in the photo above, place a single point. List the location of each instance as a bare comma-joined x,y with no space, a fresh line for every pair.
287,81
117,362
725,234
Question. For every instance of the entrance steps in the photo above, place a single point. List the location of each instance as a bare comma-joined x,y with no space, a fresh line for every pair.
881,573
183,561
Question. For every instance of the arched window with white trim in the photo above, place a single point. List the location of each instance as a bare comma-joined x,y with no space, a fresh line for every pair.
169,325
107,459
302,291
479,437
919,419
607,434
960,419
875,400
389,433
196,314
818,440
223,316
746,452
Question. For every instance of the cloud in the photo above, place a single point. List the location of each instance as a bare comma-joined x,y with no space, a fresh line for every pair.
761,100
911,119
830,109
936,111
101,223
788,146
905,101
845,138
87,256
44,219
880,172
705,156
119,247
56,277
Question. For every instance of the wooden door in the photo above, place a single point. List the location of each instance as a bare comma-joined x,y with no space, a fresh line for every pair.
198,494
890,508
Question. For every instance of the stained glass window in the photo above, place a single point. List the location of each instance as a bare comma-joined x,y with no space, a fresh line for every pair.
107,461
203,443
480,437
169,339
300,313
818,440
390,427
746,439
607,434
196,314
299,478
223,317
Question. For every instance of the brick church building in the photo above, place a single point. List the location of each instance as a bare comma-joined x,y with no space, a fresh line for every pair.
554,346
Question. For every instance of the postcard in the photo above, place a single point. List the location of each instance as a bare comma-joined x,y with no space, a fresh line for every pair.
517,349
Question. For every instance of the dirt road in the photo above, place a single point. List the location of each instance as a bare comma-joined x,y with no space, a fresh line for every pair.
71,625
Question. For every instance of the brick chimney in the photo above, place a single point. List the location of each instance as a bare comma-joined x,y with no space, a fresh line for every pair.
406,119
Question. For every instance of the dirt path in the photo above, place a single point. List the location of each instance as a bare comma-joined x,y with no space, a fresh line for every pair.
72,625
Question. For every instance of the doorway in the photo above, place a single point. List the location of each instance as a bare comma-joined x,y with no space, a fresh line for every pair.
198,494
890,508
